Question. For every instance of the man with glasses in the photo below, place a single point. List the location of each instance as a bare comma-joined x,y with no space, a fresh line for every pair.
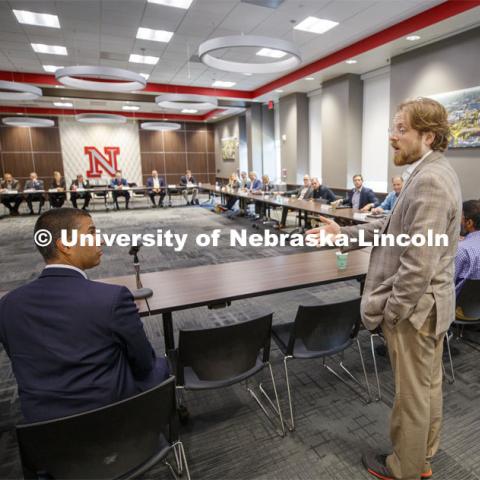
409,292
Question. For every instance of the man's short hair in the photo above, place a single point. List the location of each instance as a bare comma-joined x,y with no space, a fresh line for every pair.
357,175
471,211
54,221
428,115
397,177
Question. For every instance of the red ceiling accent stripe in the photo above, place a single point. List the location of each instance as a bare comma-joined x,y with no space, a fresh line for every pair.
138,115
425,19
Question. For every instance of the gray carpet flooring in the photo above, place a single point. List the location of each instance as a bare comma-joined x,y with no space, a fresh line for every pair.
228,436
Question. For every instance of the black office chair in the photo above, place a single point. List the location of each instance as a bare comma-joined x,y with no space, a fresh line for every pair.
469,302
119,441
320,331
222,356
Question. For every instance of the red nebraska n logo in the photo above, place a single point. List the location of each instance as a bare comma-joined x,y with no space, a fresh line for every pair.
102,164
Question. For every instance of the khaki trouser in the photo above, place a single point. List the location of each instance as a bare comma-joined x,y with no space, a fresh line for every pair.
416,358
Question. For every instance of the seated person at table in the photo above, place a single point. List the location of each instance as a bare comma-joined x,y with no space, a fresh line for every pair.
360,197
320,191
78,188
267,187
156,186
120,189
57,199
34,184
188,180
255,183
302,193
12,201
244,180
387,205
74,344
467,258
233,184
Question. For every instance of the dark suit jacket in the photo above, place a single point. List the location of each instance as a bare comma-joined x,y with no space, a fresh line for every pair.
29,185
366,196
86,184
325,193
116,183
62,184
14,185
75,345
161,182
185,181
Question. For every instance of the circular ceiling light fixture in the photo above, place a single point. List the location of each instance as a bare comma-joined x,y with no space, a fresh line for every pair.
108,79
271,47
28,122
161,126
100,118
18,91
180,101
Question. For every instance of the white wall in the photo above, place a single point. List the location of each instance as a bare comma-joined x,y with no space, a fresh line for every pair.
376,119
315,134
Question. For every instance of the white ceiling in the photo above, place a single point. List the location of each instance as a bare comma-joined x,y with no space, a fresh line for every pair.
94,29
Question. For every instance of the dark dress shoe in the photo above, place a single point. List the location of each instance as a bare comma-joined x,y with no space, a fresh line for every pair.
376,466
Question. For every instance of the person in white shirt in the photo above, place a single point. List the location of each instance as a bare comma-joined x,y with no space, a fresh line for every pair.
156,186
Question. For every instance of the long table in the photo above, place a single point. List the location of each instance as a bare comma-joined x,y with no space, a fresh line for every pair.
214,285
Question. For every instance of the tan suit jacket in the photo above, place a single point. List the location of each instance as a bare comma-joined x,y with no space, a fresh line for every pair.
407,282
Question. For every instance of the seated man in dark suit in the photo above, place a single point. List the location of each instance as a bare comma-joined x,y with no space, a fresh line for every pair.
156,186
120,189
320,191
11,200
34,184
78,188
302,193
187,180
74,344
360,197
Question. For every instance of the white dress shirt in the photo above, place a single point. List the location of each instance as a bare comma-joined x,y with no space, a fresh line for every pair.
411,168
71,267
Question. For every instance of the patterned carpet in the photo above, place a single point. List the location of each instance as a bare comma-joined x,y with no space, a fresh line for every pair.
228,436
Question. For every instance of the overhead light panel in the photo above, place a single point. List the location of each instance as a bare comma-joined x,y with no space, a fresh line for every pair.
160,126
270,52
49,49
146,76
154,35
184,4
51,68
413,38
309,78
18,91
38,19
63,104
134,58
247,74
29,122
131,108
351,61
189,110
278,90
100,118
222,84
185,101
315,25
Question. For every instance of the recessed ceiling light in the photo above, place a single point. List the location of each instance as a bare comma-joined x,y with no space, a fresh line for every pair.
134,58
51,68
49,49
351,61
146,76
279,90
185,4
221,83
39,19
131,108
63,104
270,52
154,35
413,38
309,78
247,74
189,110
315,25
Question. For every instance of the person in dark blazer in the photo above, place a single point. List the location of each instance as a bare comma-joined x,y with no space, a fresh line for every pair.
360,197
78,188
156,186
57,199
321,191
11,200
120,189
302,193
74,344
189,179
34,184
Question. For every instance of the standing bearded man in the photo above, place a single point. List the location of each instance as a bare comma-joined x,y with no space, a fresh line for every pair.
409,291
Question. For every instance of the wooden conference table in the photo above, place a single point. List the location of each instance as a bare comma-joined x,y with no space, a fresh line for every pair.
217,285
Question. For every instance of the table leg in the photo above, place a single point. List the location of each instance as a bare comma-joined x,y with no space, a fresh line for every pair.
168,331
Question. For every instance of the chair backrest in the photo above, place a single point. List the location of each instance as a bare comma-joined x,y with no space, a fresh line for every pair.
220,353
103,443
326,328
469,299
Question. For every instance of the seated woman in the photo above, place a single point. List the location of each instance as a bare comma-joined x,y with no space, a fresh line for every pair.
57,199
233,184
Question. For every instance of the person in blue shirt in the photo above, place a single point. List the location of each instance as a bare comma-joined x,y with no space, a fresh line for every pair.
387,205
360,197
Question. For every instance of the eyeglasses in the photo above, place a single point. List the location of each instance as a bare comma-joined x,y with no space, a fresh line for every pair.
395,132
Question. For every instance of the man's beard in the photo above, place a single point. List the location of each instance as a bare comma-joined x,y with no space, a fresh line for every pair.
402,157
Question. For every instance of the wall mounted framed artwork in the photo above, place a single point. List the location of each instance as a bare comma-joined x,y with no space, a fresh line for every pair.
229,149
463,108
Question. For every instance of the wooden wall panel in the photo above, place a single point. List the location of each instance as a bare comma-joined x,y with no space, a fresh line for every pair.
45,140
196,141
20,165
151,141
211,163
46,163
175,142
175,163
15,139
197,162
153,161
